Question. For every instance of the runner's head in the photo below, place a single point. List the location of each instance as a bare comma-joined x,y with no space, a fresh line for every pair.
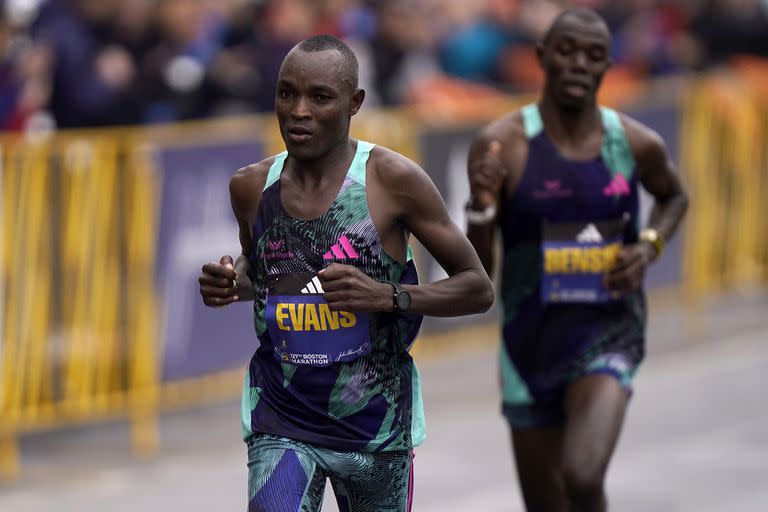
574,55
317,95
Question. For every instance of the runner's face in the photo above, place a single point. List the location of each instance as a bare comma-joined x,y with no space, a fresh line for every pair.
314,102
574,60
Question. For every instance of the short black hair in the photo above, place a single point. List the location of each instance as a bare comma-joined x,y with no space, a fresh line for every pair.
327,42
579,13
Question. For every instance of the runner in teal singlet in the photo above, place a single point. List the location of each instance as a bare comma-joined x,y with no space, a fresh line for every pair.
560,180
331,391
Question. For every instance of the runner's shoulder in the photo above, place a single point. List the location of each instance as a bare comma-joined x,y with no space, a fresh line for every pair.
248,182
393,169
644,141
506,129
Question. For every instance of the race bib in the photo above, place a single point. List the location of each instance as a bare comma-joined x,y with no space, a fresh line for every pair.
304,329
576,259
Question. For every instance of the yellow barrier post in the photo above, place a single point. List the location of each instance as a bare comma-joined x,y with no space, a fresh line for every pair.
141,197
696,161
9,455
26,308
9,449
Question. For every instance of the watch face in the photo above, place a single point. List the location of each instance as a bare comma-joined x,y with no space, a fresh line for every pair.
403,300
650,235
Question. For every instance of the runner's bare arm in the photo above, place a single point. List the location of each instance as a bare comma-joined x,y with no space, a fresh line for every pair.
217,278
422,211
493,171
245,189
658,176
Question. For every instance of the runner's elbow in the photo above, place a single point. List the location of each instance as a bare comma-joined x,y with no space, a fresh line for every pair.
484,295
488,265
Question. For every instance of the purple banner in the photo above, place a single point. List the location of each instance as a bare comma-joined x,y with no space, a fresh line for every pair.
197,226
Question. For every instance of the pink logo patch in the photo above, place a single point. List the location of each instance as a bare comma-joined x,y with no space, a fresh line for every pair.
342,249
274,251
617,187
552,190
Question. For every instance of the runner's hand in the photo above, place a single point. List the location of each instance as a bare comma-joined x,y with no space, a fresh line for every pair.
218,284
347,288
486,176
629,269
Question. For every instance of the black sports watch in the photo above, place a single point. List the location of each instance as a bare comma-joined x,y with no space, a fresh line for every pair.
401,299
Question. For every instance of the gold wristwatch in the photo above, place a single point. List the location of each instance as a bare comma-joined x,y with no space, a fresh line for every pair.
654,238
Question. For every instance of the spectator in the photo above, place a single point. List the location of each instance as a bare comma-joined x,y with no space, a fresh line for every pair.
723,28
173,73
106,62
24,76
92,76
400,50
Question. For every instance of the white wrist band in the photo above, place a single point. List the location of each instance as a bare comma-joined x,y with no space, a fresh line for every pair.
480,217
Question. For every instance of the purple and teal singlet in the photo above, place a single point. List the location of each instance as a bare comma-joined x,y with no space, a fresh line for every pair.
561,232
342,380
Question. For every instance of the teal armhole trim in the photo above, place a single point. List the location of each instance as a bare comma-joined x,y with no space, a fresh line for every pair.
532,120
616,152
274,171
357,168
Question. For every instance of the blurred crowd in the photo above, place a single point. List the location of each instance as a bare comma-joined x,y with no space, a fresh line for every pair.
74,63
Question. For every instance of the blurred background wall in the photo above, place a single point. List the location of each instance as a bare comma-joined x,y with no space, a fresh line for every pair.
123,121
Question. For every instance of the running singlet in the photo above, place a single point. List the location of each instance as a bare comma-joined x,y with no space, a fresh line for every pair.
341,380
561,233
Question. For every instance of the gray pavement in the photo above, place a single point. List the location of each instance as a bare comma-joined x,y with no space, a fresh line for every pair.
696,438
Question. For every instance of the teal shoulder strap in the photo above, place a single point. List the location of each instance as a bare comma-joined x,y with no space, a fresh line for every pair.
532,120
616,152
274,171
357,168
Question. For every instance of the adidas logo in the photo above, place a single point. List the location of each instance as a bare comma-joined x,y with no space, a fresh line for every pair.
589,234
617,187
342,249
313,286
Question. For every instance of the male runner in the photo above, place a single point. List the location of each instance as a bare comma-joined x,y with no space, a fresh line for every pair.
331,391
560,179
